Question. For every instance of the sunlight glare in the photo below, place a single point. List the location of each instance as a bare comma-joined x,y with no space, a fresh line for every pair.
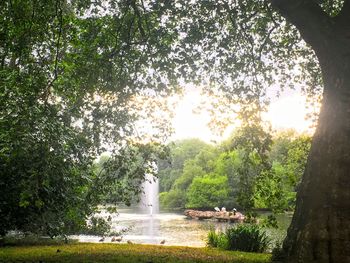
284,113
289,112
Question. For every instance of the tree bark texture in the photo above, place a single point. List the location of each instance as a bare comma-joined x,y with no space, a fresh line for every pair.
320,229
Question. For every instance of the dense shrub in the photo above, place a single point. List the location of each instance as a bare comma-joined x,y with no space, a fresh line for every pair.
250,238
217,239
245,237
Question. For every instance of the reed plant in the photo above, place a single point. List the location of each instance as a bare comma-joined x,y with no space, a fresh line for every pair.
243,237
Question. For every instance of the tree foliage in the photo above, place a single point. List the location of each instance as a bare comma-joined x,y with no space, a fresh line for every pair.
180,152
68,89
265,174
207,191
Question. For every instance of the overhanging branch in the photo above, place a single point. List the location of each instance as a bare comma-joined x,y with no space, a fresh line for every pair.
344,15
309,18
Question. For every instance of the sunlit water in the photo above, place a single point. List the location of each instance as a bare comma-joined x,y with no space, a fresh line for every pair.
174,228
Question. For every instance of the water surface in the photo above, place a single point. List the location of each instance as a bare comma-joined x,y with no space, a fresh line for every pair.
173,228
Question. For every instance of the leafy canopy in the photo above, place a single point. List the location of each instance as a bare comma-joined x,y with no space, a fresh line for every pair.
70,72
70,81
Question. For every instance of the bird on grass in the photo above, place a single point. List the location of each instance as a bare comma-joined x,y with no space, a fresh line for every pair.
58,251
129,242
116,239
162,242
102,239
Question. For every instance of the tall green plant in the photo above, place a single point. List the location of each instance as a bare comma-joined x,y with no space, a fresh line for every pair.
215,239
244,237
247,237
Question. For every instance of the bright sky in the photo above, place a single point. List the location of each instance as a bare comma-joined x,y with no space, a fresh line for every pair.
188,124
287,111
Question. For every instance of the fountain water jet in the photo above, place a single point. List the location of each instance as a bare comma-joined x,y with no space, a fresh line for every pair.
150,199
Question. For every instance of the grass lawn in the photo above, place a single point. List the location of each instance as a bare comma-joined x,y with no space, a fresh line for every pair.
91,252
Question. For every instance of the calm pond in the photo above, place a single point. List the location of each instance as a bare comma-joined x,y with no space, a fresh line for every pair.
174,228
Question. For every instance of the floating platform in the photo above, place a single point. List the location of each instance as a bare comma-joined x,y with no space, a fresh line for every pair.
233,217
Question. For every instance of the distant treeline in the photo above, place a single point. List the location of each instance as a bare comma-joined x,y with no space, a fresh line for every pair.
251,169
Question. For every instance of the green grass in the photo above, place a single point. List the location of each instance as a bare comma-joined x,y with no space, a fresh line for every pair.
91,252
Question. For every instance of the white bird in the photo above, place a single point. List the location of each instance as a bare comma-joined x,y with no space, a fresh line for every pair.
223,209
217,209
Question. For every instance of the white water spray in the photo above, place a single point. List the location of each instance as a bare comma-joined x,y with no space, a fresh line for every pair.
150,199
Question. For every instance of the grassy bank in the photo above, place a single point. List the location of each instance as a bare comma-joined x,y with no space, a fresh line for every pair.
89,252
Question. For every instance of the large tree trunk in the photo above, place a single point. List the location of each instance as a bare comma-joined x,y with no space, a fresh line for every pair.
320,229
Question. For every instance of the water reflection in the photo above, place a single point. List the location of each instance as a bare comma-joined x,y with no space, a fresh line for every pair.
151,230
175,229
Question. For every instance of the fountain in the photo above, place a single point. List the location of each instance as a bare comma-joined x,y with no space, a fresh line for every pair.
150,199
150,206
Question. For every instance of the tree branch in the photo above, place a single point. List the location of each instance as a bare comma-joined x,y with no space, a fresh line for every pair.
266,39
312,22
139,19
59,15
344,15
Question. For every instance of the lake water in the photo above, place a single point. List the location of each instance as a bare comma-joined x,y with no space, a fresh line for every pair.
174,228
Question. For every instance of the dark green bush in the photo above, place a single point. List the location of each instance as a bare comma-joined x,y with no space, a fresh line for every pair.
212,238
245,237
217,239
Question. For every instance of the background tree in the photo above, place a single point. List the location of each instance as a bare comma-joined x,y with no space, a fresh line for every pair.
189,158
179,153
269,180
253,144
276,187
208,191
